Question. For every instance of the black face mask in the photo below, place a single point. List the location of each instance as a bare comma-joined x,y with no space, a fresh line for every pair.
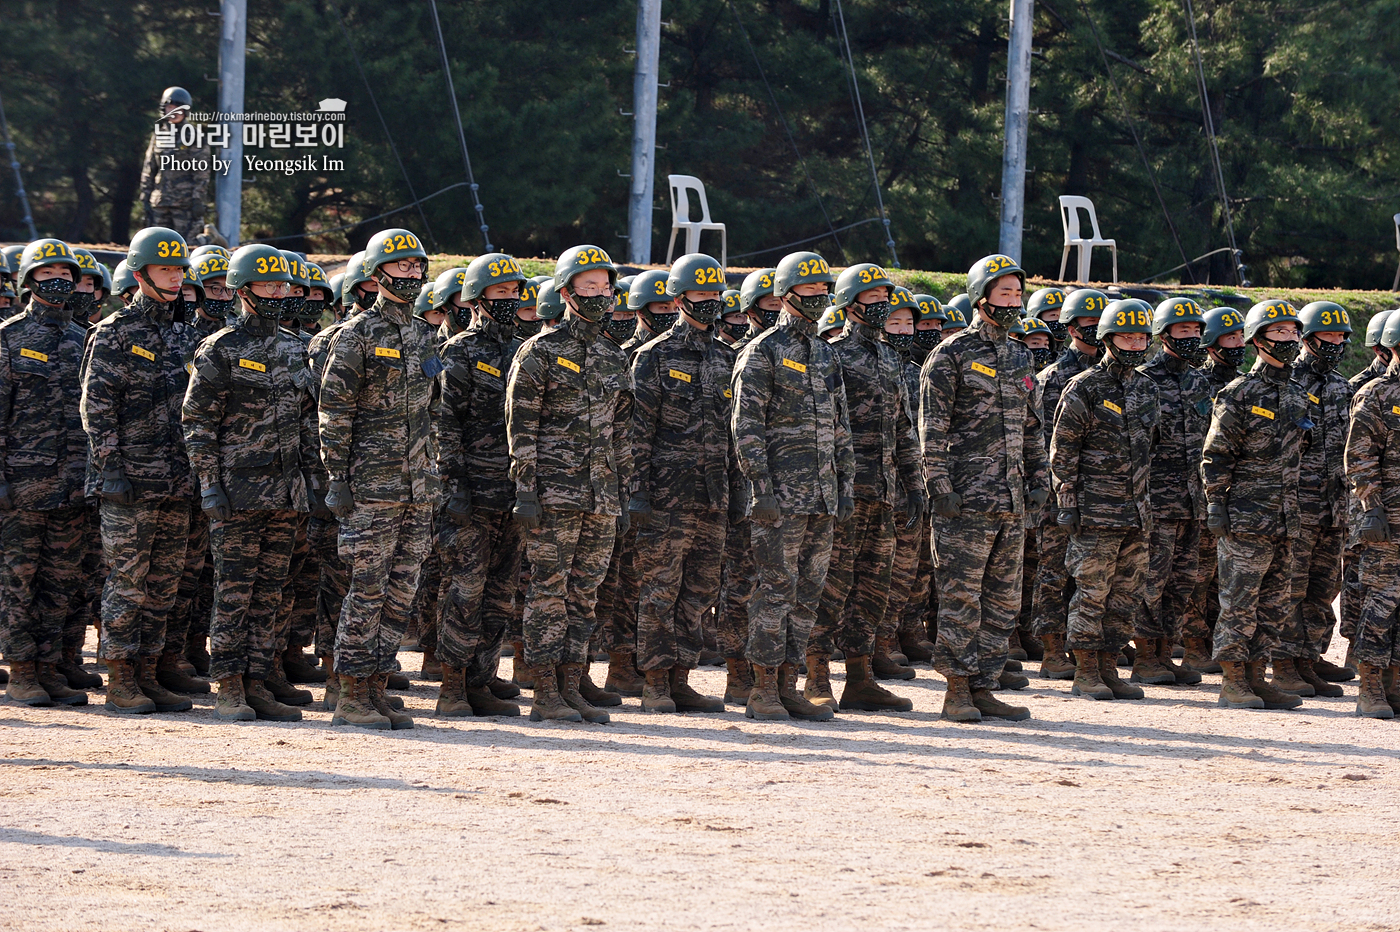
1329,354
461,315
1188,348
809,306
1285,351
79,302
291,308
769,318
1043,357
528,328
593,308
52,290
502,309
405,289
1129,359
735,331
620,330
1089,338
928,339
875,314
364,300
660,323
703,312
219,310
900,341
267,308
311,311
1003,316
1232,356
1059,332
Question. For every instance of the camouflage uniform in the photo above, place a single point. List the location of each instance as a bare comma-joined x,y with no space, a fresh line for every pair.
1203,606
792,438
910,544
1353,597
1373,469
323,531
1101,458
737,576
857,587
176,196
132,392
43,455
681,455
1251,465
981,436
568,410
377,394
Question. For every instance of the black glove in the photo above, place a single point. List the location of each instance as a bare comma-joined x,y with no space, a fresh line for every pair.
845,507
116,488
765,509
459,507
527,510
339,500
5,503
1038,497
1217,520
1375,526
214,502
736,510
1068,517
624,522
914,508
948,506
640,512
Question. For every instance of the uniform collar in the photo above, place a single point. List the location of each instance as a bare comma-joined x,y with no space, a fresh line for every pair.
988,331
392,311
693,336
152,309
258,326
1273,373
494,329
583,331
797,324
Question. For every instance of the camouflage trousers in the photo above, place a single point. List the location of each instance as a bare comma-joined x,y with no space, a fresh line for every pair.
1109,566
857,589
480,575
920,615
427,604
735,591
332,581
196,548
905,564
1353,596
1256,582
1378,631
383,545
1053,586
252,556
979,574
86,602
186,219
1173,564
569,555
40,554
296,616
790,559
1030,565
1203,607
515,632
1317,581
616,610
144,545
679,556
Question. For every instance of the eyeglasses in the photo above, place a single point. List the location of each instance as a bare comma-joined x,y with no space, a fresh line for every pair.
218,292
272,289
409,266
592,292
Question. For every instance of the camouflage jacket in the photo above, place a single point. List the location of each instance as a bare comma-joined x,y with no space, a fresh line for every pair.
205,327
249,416
1101,448
132,393
1375,370
680,422
1322,491
1184,395
473,455
43,450
882,420
1259,429
1054,377
792,434
979,423
174,187
909,374
377,396
568,414
1218,376
1373,447
316,352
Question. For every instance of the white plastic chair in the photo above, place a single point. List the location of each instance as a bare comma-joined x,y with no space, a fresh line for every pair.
681,186
1070,206
1396,286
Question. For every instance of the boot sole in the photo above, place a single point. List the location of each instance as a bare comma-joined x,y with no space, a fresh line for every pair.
859,706
182,706
373,726
703,709
961,717
45,703
497,713
655,709
1057,674
1020,716
628,691
1076,691
1281,706
79,699
1188,679
767,716
301,697
265,717
1224,703
539,717
610,701
906,673
236,717
1016,684
131,709
1376,714
1157,679
732,699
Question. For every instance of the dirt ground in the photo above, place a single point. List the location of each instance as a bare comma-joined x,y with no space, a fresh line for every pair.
1161,814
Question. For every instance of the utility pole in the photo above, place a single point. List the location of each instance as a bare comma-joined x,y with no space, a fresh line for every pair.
644,89
228,188
1018,102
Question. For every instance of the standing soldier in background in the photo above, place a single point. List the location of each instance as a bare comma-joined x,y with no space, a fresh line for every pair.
174,197
984,463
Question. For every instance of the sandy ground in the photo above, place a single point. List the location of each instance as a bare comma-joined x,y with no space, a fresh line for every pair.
1161,814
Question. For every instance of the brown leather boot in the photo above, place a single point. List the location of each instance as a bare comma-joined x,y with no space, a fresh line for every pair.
862,693
794,702
1148,667
520,672
1056,664
57,687
1185,674
548,706
299,669
123,695
1087,681
277,684
1235,689
623,677
231,704
1198,655
569,675
1108,672
399,720
1370,694
171,675
165,700
915,646
817,689
24,685
991,707
1273,698
265,705
72,669
1392,689
1009,679
354,706
332,697
1332,673
1350,662
432,667
452,695
503,689
957,702
884,666
602,698
197,653
1033,646
1308,674
656,693
765,705
1287,678
485,703
739,683
685,696
1014,650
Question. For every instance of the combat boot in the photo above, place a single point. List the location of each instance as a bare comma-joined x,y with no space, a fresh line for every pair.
916,647
569,676
354,706
1056,664
817,689
686,698
1235,689
864,694
198,655
123,695
332,697
4,676
1198,655
276,683
1148,667
594,696
656,693
299,668
1370,694
1108,672
1033,646
24,685
883,664
548,706
1014,650
1273,698
503,689
991,707
265,705
1332,673
397,680
1184,673
432,667
739,682
1010,679
165,700
399,720
1392,691
765,705
485,703
57,687
169,673
1350,662
231,704
1287,679
623,677
1087,681
957,702
1308,673
452,697
72,669
520,674
794,702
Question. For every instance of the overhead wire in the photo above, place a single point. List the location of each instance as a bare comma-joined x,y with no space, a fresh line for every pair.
810,239
461,135
348,226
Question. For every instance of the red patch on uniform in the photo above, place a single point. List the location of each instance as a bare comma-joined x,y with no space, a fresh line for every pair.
1028,382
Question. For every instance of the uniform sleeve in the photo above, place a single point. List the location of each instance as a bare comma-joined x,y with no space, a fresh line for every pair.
455,414
102,394
148,170
938,387
753,389
906,448
622,438
1066,443
1223,442
340,395
7,387
646,403
1364,451
524,395
1035,464
310,432
845,449
203,412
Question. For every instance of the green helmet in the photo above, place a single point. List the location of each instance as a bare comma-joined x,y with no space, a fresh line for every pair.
582,259
123,279
930,308
1324,317
647,287
731,303
48,251
88,263
177,96
549,305
957,320
1390,334
901,297
447,284
106,277
1029,326
834,318
755,286
423,303
1045,299
1265,314
1375,326
296,266
6,268
336,283
157,246
1084,302
861,277
258,262
395,245
621,290
209,265
494,268
192,279
1042,356
987,270
316,277
1130,315
1176,311
963,303
1220,321
530,291
207,248
355,275
802,268
694,272
12,254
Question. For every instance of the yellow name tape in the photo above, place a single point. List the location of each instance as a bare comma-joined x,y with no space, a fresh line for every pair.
143,352
1395,409
387,351
1314,399
1113,407
34,354
677,374
729,394
792,364
568,363
1262,412
489,370
985,370
250,364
